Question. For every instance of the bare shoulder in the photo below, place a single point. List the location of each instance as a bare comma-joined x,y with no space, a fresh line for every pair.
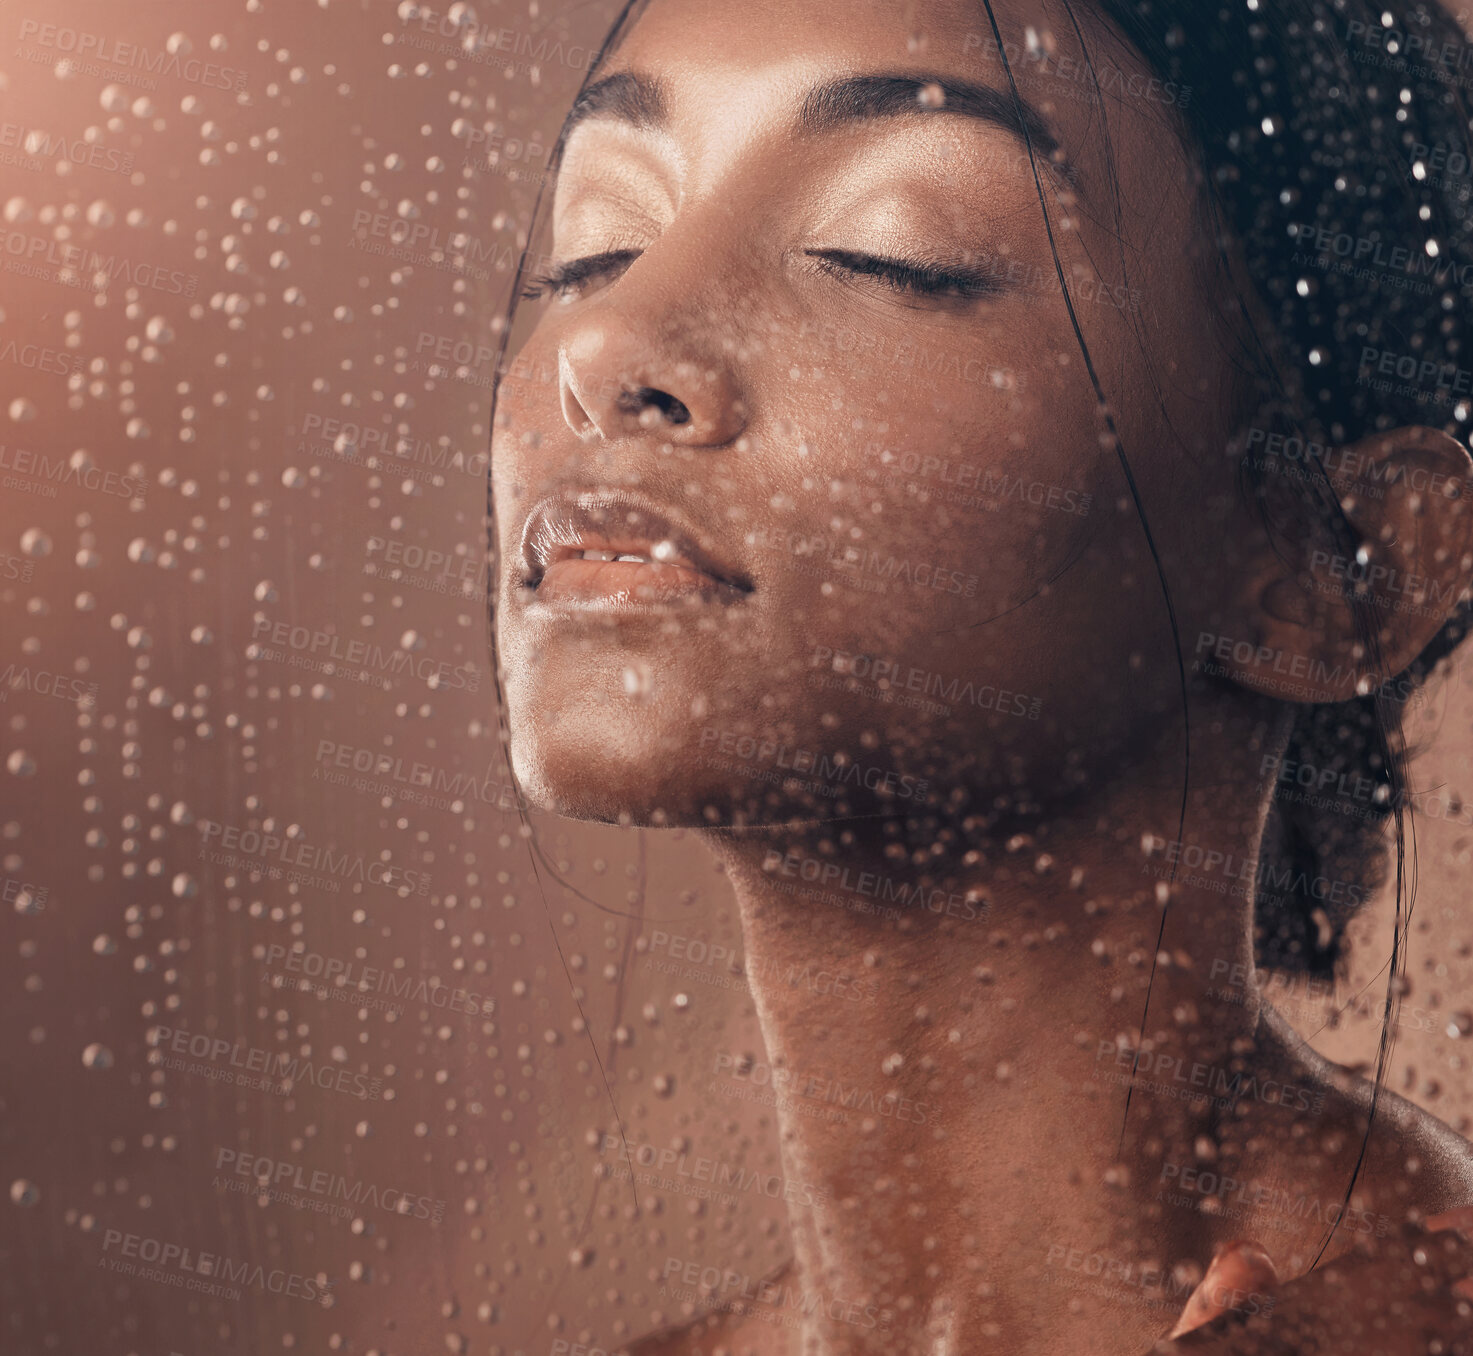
1430,1164
1413,1159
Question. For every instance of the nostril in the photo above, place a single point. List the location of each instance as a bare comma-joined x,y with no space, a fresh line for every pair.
673,410
646,397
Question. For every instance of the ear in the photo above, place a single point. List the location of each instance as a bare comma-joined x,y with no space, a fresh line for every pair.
1328,615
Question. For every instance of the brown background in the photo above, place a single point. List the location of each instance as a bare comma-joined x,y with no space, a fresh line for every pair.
212,380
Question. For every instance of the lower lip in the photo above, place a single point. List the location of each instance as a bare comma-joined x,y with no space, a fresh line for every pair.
627,585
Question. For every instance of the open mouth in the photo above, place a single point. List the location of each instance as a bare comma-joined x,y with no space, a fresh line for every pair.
604,550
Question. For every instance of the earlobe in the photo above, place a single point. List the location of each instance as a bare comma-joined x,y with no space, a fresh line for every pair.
1338,609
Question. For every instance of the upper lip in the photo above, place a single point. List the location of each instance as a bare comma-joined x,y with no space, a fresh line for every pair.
562,526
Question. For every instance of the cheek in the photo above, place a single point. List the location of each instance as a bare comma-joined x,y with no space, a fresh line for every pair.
953,565
933,504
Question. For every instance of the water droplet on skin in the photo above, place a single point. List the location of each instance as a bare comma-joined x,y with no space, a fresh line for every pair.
23,1192
22,410
97,1057
931,95
21,764
27,902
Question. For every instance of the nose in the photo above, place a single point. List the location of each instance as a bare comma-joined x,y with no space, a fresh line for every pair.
617,379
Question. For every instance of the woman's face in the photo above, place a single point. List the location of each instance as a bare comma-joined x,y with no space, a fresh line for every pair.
820,382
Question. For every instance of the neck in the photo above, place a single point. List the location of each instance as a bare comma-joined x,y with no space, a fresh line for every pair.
951,1047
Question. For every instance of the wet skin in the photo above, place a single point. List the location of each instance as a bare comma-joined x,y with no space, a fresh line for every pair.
817,403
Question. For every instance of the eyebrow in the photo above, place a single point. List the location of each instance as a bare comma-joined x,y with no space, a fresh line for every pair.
627,97
641,101
860,98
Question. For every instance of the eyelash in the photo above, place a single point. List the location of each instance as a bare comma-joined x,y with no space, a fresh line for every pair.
567,280
901,275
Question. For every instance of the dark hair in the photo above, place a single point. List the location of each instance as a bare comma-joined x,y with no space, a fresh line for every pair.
1295,153
1324,133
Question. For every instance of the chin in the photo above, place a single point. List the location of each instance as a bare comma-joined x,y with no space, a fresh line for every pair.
651,783
592,773
582,747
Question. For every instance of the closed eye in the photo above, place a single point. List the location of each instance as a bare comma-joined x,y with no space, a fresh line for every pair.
913,277
569,279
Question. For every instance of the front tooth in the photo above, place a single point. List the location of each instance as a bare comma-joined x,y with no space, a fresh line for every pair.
599,555
638,560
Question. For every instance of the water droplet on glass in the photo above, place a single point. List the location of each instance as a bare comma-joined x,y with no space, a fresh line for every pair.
23,1192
